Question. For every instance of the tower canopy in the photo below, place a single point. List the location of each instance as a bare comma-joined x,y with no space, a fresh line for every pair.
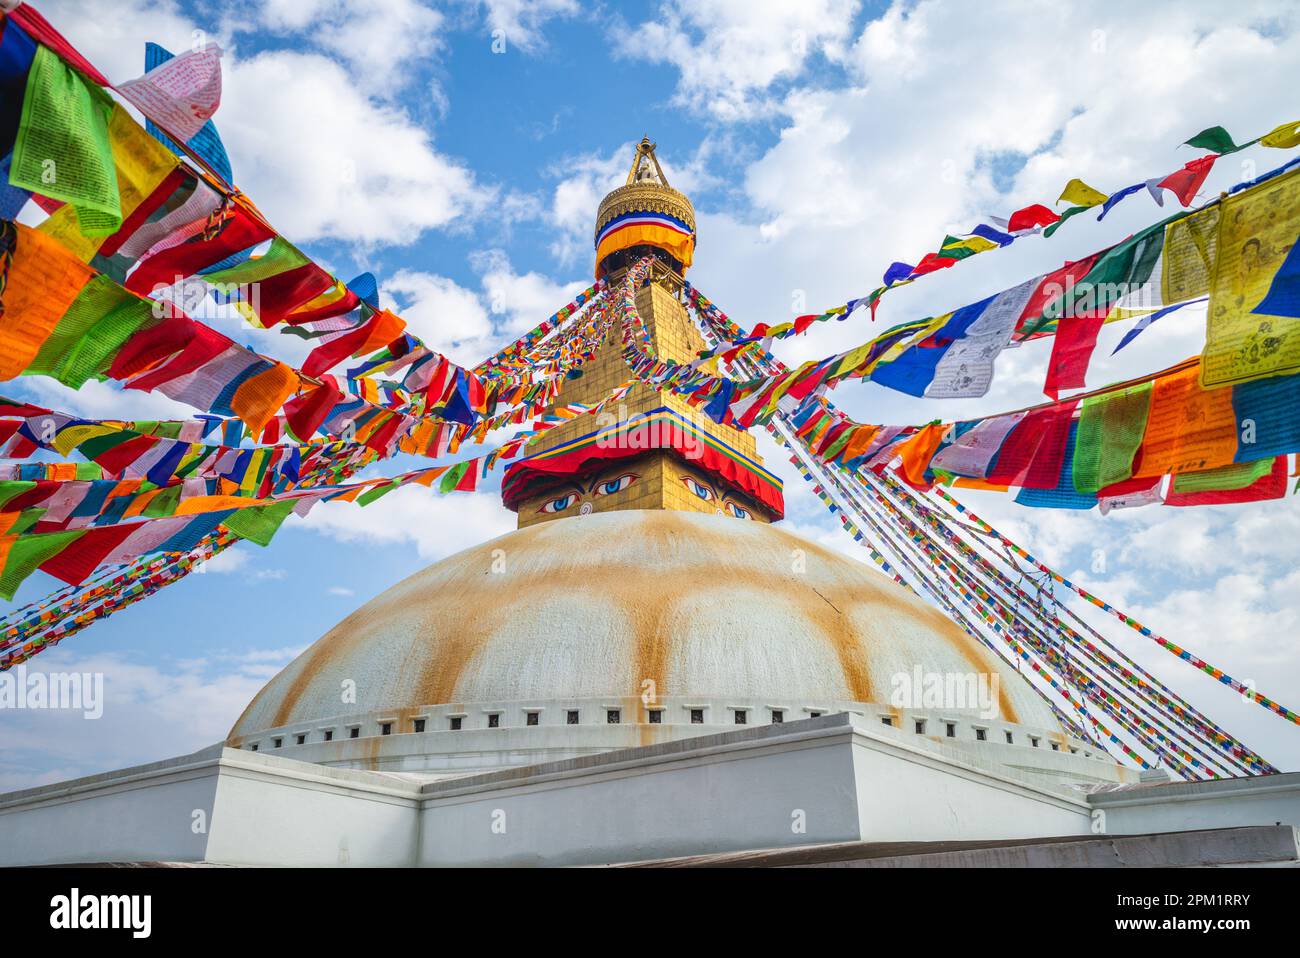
644,216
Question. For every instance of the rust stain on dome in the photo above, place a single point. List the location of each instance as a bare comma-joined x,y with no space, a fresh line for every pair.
641,565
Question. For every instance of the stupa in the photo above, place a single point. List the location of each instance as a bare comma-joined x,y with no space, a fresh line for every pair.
648,666
647,595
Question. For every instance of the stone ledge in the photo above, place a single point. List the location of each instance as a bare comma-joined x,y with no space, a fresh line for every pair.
1258,845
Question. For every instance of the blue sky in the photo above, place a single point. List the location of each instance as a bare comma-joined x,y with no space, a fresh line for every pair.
819,142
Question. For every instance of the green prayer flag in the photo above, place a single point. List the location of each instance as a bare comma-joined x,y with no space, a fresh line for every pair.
451,478
1111,427
370,495
259,524
1072,211
164,504
1216,140
27,553
14,487
89,335
1238,475
62,149
1118,272
281,257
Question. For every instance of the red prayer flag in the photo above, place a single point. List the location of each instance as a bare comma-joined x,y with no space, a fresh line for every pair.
1032,454
77,560
1185,183
1031,216
280,295
469,481
1072,347
165,268
1055,284
114,460
305,413
1272,486
931,262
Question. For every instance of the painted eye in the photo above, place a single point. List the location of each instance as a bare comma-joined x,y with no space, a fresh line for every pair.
611,486
703,491
737,511
560,504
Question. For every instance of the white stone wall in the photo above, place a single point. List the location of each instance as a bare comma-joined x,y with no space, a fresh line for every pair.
1229,803
143,814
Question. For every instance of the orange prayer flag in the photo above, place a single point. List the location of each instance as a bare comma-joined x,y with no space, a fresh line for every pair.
260,397
917,452
140,503
426,477
1189,429
859,443
965,482
198,504
385,328
44,279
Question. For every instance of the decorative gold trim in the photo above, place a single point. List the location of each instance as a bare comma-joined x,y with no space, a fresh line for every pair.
644,198
646,191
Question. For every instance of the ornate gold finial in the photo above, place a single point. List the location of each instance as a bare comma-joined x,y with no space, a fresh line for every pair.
645,212
640,172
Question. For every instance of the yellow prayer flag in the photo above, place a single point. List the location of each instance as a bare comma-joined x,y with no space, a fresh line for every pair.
1257,230
141,163
1081,194
70,437
1284,137
976,244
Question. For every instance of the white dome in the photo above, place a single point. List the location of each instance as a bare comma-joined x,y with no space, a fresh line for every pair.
594,606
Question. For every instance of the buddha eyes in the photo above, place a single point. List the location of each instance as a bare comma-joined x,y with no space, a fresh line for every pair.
606,487
703,491
737,511
611,486
560,504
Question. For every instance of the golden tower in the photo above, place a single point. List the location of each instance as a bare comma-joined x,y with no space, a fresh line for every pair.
655,451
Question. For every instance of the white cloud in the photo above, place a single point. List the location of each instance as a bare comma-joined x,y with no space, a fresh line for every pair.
151,711
436,525
729,52
310,139
952,114
225,563
467,325
380,41
445,315
519,22
323,161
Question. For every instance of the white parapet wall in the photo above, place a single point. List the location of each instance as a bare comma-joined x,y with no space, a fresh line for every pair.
911,794
829,779
218,805
146,813
274,811
1226,803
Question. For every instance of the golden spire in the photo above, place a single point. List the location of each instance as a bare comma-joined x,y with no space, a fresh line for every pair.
650,215
640,172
